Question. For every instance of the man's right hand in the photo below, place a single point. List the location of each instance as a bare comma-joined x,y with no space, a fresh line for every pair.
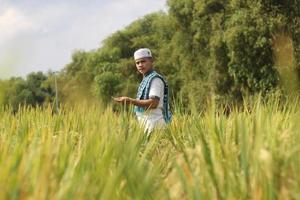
123,100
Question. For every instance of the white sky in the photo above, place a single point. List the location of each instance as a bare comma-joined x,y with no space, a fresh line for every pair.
38,35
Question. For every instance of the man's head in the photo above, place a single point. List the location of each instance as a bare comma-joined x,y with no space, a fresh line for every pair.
143,60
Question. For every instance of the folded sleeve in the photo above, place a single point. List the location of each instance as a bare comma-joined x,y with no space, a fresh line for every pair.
156,89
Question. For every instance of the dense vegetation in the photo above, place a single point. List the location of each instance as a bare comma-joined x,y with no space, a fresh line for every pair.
224,48
86,152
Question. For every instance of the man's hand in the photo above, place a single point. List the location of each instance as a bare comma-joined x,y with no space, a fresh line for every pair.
145,103
123,100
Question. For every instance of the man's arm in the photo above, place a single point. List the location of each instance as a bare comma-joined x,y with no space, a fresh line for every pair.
155,93
147,103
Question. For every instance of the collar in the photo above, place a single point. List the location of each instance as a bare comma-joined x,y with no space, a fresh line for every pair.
148,73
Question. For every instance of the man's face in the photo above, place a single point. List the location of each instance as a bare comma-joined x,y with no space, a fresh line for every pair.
144,65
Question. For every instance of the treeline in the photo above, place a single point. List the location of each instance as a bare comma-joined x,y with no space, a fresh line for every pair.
225,48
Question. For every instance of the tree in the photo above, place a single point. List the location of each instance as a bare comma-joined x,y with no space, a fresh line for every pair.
107,85
226,46
31,92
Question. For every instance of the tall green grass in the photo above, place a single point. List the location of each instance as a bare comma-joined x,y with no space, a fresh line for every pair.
87,152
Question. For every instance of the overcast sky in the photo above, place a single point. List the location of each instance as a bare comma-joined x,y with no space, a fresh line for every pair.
38,35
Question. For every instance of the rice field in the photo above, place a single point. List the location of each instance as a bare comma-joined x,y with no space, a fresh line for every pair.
88,152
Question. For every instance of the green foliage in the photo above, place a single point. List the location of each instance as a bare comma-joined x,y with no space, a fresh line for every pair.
250,57
3,86
31,92
107,85
226,46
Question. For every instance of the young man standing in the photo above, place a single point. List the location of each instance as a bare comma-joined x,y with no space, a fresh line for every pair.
152,102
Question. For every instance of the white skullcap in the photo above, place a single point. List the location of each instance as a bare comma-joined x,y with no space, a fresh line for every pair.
142,53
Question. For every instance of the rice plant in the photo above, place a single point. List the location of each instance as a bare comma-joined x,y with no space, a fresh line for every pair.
88,152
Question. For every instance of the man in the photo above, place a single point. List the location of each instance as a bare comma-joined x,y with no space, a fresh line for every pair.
152,102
